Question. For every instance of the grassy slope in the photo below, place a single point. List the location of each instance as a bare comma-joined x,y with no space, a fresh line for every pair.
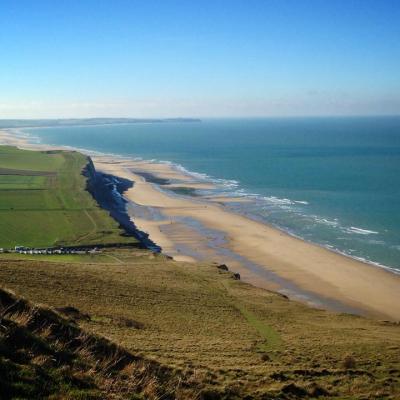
43,355
231,337
43,202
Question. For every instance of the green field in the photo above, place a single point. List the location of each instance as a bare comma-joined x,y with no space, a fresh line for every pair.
44,202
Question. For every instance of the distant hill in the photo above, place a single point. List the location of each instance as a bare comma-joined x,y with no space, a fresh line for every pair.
32,123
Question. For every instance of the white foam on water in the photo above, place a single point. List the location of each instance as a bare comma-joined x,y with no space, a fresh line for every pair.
226,183
360,231
278,201
325,221
282,201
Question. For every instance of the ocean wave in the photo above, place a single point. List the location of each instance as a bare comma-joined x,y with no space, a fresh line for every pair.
360,231
277,200
283,201
349,253
325,221
226,183
349,230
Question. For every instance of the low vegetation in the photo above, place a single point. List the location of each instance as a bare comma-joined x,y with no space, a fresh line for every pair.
44,202
43,355
224,338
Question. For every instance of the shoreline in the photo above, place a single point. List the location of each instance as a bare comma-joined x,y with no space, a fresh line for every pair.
185,177
198,228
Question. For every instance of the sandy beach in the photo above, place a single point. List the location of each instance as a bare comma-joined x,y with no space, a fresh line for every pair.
191,228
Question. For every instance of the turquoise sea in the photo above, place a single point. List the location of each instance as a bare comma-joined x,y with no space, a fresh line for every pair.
332,181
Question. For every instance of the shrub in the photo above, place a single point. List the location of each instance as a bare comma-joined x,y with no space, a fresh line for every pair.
349,362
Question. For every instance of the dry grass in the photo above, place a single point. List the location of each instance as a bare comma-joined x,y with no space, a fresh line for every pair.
44,356
207,327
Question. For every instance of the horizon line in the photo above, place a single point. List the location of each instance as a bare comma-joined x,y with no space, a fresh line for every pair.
204,117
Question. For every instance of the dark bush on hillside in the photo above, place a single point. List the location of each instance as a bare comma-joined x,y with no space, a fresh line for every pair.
349,362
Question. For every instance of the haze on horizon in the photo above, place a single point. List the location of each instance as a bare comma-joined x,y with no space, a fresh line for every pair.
199,59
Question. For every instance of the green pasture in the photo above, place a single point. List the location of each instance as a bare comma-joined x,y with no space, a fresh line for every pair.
44,201
22,182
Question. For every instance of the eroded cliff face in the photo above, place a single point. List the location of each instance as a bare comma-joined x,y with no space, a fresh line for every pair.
108,191
89,171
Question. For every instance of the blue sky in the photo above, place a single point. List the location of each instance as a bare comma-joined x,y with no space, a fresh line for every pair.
199,58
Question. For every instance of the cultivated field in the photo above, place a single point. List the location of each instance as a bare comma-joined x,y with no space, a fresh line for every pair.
43,202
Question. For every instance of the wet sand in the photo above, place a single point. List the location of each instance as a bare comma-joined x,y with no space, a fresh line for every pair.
192,228
317,275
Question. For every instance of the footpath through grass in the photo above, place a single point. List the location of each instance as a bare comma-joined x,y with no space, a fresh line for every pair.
44,202
198,320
